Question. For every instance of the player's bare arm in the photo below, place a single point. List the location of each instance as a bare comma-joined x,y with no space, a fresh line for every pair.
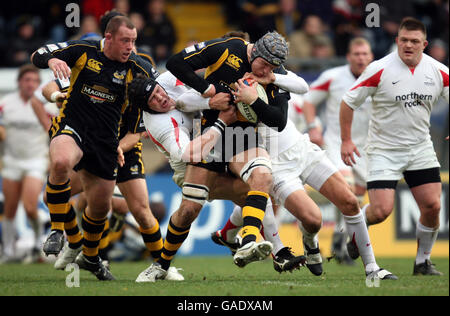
347,147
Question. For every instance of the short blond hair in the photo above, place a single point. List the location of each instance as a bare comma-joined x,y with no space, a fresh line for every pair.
358,41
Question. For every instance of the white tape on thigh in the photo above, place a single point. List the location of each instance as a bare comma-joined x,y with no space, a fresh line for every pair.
247,170
195,192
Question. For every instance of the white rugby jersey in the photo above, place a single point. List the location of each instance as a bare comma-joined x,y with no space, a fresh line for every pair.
171,131
25,136
331,86
402,99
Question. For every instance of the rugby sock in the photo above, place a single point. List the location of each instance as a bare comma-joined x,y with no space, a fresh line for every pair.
103,245
58,196
426,237
357,230
253,215
38,230
310,239
174,239
233,225
92,231
270,232
153,240
363,211
8,236
72,230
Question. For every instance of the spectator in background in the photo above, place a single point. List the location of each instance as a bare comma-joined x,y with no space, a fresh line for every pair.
259,17
438,50
302,41
89,26
122,6
322,47
159,33
23,44
289,17
347,23
322,9
138,20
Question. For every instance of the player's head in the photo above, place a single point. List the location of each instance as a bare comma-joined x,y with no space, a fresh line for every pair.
268,53
411,41
150,96
120,36
28,80
104,20
359,55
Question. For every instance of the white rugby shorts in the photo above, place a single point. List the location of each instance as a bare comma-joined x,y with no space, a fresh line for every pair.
17,169
389,165
304,162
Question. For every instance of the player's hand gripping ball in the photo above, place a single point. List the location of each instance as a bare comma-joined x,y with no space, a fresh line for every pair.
245,109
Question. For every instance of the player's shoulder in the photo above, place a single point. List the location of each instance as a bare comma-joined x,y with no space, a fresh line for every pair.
435,63
143,65
9,98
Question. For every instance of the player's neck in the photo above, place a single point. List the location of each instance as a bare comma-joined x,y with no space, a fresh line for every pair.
413,63
24,97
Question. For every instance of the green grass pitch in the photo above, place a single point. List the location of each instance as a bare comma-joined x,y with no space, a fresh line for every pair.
217,276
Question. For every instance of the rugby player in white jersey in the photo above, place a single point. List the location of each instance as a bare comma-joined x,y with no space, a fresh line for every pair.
330,87
404,86
25,161
293,158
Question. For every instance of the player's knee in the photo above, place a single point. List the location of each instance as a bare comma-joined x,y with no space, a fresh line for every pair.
432,209
60,165
380,212
261,180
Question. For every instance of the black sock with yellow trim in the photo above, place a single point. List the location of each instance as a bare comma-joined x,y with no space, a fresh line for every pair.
153,240
104,243
174,239
72,230
253,215
58,196
92,233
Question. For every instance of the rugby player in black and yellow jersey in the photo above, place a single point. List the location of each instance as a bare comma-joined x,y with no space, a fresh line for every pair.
85,134
227,60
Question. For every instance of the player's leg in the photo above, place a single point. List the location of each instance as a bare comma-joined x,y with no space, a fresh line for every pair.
426,188
197,182
31,189
98,193
254,168
11,192
339,193
64,155
299,204
136,195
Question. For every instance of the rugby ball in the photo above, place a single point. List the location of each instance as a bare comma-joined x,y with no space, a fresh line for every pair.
246,111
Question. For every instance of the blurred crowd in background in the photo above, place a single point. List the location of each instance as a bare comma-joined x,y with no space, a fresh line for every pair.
316,29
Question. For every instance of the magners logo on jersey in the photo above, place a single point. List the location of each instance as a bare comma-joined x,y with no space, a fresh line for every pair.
94,65
234,61
98,94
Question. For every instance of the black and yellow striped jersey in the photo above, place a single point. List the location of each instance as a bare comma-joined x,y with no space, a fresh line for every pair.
225,61
97,93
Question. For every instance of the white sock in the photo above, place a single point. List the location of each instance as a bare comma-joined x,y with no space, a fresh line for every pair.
271,228
236,220
339,226
8,237
363,211
357,231
426,237
310,239
38,230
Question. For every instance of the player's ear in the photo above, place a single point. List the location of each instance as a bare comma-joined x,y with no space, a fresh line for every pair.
425,44
108,36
